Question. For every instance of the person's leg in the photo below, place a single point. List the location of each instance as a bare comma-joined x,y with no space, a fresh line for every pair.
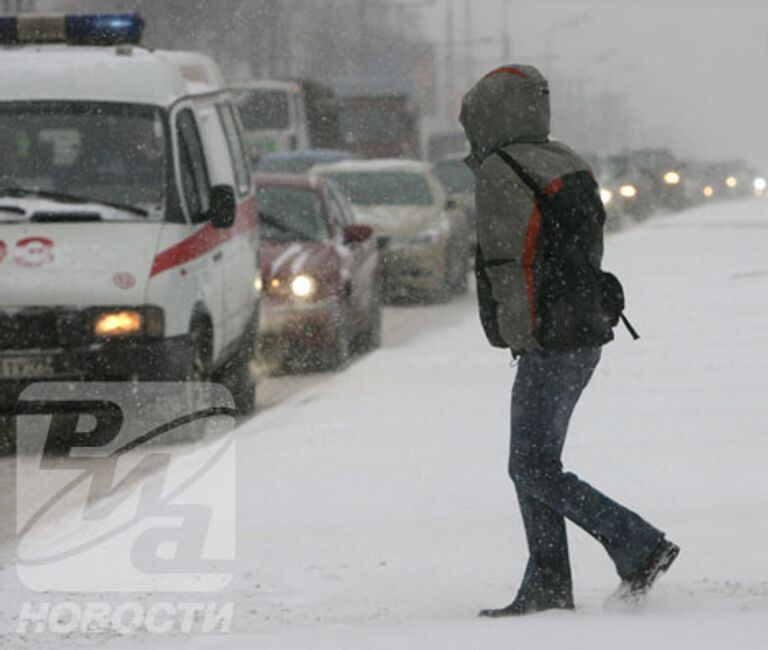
548,572
547,575
546,391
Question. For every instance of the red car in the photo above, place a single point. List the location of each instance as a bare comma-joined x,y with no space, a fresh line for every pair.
320,274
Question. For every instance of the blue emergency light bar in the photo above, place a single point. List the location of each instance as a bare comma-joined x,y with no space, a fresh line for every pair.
82,29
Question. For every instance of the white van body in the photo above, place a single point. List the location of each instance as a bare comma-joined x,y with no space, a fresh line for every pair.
66,267
274,116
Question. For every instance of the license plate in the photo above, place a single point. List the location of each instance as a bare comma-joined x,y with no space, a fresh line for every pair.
23,367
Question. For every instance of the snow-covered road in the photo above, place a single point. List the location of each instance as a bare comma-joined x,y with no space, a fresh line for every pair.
375,512
379,513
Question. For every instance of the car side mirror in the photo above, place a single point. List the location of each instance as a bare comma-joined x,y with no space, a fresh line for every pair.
357,233
222,210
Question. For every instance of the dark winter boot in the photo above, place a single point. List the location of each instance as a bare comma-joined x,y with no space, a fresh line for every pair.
635,586
523,605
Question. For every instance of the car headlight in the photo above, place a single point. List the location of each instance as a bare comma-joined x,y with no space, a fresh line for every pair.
759,185
672,178
606,196
628,191
119,323
708,191
731,181
303,286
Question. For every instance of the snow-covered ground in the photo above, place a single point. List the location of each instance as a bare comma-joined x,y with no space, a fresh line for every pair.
375,510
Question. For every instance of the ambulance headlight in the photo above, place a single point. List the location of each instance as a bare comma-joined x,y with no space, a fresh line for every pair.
628,191
303,286
124,323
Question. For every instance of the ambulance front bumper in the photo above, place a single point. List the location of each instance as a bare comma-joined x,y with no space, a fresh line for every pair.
160,360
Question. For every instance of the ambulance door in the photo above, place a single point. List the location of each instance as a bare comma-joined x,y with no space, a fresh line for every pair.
239,263
201,272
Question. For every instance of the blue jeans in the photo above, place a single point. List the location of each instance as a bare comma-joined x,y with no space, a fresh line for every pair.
547,386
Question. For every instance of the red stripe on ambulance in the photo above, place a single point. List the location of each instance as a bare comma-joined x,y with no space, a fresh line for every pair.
205,240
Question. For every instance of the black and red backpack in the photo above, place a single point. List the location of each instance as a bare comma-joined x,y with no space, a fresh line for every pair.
575,303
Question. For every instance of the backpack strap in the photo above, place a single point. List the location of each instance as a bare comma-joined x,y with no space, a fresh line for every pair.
528,180
518,169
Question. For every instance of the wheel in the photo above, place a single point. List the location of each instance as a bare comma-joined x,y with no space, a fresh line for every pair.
237,374
336,355
7,434
444,290
199,372
238,377
201,337
371,337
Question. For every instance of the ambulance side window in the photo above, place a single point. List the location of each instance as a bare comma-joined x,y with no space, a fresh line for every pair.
194,174
236,151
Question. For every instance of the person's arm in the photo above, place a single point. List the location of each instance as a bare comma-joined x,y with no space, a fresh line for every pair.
486,304
506,223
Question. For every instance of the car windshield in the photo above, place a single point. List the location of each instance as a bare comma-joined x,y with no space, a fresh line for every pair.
264,109
291,214
384,188
108,153
455,176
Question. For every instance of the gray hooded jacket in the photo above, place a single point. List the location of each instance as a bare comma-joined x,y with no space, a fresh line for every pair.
509,109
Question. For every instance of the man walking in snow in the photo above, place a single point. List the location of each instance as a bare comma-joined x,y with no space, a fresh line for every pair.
540,244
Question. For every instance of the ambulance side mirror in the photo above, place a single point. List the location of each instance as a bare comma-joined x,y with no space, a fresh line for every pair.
222,210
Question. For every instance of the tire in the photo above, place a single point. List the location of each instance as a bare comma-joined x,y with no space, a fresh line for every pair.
237,374
336,355
201,343
443,292
7,434
371,337
201,335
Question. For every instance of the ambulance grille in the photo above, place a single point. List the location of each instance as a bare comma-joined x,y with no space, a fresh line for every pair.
43,329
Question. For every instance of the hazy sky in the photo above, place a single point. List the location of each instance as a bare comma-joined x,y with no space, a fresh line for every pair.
695,72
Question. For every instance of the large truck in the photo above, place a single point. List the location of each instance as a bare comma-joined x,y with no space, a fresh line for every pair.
284,115
379,126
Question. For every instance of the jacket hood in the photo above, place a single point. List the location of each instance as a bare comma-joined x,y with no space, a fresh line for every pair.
510,104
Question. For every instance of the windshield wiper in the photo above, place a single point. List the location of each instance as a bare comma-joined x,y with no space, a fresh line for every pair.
70,198
284,227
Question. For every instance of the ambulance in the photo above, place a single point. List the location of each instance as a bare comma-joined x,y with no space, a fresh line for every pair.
128,240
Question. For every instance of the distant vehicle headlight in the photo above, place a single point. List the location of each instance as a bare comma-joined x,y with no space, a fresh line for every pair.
759,184
606,196
672,178
303,286
731,181
628,191
708,191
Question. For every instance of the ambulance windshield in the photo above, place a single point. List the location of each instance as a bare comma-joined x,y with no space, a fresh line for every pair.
109,153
